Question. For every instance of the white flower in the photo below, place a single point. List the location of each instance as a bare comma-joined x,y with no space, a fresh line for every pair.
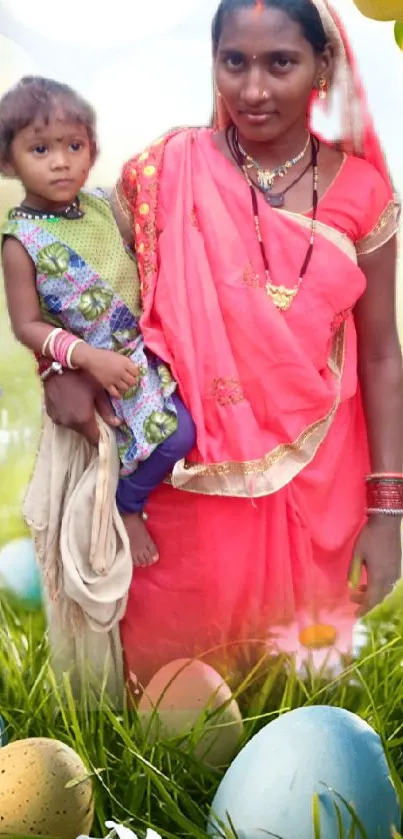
120,831
124,833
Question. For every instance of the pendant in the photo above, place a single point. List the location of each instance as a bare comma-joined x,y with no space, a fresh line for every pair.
281,296
265,179
276,200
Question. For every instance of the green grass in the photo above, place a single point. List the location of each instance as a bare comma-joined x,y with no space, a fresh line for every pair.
162,785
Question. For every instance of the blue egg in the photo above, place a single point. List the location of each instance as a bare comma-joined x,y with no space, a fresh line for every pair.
269,789
19,573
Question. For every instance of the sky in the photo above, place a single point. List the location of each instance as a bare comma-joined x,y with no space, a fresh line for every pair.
145,65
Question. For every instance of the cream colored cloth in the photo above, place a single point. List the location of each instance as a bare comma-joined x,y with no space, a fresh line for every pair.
83,551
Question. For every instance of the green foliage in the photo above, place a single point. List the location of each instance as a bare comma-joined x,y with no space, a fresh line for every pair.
162,785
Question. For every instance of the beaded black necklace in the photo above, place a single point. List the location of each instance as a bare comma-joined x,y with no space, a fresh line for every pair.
281,296
72,211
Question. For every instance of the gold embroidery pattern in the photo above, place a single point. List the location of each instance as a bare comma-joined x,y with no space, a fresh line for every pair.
148,229
194,220
385,228
339,319
284,450
227,391
338,352
249,277
140,184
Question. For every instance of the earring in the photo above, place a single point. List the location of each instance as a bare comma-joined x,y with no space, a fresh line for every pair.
322,86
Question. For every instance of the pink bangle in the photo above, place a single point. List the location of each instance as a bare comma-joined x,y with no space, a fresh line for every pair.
49,340
62,347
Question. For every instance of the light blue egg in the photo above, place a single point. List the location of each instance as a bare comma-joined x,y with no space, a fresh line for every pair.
269,788
19,573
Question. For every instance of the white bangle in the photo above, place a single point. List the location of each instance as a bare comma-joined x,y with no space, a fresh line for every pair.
50,340
70,351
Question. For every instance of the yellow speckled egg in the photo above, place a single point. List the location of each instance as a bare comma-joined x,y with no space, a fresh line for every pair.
380,9
33,794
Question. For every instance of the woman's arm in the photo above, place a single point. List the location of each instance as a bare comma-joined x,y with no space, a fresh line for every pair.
381,378
380,359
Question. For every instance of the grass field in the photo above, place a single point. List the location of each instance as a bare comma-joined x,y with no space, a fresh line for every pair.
162,785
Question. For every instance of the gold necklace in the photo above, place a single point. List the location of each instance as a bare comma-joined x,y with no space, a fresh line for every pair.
266,177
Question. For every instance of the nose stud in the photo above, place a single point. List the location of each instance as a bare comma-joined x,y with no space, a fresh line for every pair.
265,95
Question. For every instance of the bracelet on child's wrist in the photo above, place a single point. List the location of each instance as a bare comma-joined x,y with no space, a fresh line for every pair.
54,368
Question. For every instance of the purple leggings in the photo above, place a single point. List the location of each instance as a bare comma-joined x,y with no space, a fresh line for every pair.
133,492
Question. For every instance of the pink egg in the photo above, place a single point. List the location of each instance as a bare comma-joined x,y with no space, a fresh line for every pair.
188,698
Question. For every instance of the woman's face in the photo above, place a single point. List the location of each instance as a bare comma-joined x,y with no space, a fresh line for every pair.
265,71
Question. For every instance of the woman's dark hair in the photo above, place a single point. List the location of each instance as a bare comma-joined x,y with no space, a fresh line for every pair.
35,97
303,12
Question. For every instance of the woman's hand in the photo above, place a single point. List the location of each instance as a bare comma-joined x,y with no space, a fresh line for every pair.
379,549
72,399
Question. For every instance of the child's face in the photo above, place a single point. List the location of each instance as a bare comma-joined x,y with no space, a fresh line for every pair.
52,161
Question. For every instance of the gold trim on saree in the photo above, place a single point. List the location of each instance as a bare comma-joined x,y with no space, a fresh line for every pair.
386,227
273,471
340,240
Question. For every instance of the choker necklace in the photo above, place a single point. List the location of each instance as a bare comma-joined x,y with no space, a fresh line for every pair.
277,199
72,211
266,177
281,296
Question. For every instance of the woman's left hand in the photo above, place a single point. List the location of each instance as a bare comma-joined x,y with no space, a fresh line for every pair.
379,549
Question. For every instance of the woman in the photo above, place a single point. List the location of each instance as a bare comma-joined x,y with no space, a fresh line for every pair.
267,263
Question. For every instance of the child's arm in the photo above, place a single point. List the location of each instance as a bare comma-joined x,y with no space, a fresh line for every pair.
22,300
114,372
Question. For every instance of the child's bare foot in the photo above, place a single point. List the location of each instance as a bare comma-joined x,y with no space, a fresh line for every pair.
143,549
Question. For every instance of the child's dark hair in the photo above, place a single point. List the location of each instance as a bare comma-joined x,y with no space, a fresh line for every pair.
303,12
35,97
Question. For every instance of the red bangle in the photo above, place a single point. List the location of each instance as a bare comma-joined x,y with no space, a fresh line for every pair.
385,494
43,363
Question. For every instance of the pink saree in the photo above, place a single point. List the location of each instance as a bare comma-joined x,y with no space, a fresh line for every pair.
256,529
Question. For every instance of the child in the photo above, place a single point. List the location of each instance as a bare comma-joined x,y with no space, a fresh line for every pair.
70,286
